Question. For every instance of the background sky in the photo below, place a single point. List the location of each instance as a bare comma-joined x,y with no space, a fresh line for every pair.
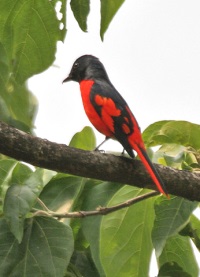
151,52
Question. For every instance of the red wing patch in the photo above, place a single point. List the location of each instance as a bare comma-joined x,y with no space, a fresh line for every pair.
126,129
107,104
110,114
99,100
108,110
126,119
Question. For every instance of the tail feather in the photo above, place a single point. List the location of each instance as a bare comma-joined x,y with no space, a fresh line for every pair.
151,169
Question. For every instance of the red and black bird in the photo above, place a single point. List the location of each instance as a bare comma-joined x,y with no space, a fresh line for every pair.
109,112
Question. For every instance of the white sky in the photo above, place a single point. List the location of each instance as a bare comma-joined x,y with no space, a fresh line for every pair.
152,55
151,52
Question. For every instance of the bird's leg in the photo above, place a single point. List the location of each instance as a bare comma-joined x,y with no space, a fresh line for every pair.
123,152
97,148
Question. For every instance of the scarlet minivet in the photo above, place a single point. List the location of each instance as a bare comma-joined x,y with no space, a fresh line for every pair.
109,112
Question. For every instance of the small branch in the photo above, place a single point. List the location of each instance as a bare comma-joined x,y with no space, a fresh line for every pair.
92,164
98,211
41,203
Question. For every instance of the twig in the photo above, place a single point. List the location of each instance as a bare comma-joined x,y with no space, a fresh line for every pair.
98,211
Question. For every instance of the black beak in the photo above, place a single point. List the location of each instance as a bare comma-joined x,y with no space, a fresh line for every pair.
69,78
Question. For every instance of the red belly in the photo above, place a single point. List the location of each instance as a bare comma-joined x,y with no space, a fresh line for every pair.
95,119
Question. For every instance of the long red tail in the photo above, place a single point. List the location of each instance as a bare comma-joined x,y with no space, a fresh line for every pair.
150,168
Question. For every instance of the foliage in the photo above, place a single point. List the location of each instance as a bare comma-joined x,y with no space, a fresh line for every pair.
119,244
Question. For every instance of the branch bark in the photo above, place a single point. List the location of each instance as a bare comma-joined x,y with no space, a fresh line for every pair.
91,164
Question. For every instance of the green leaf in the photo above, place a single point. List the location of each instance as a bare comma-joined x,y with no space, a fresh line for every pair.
171,131
178,250
4,69
125,236
108,10
81,10
171,216
96,196
19,96
45,250
194,230
61,192
83,263
20,173
172,270
84,140
172,155
29,31
20,198
6,168
13,96
23,118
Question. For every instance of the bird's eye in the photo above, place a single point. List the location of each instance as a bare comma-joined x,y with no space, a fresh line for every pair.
76,65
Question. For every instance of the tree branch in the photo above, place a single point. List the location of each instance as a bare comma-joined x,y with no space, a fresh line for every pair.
91,164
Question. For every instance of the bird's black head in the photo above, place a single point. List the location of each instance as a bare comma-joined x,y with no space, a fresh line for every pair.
85,68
